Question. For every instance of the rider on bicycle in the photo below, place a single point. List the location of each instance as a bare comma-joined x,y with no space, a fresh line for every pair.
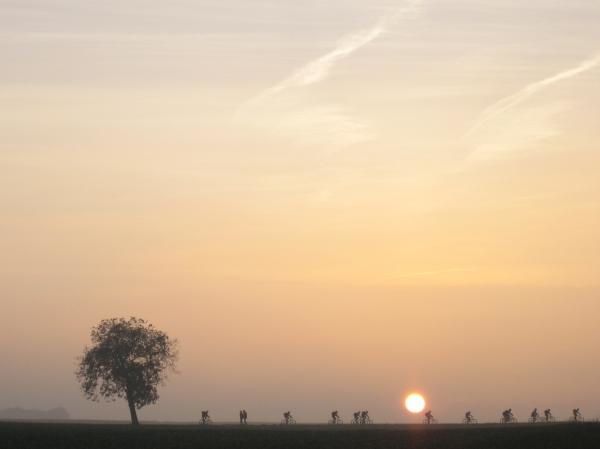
287,416
576,414
535,415
548,414
468,417
429,417
364,417
205,416
335,416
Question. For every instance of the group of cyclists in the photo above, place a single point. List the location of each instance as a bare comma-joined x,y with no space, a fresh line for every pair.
362,417
509,417
535,417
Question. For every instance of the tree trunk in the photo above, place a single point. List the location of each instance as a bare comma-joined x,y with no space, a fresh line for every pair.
133,412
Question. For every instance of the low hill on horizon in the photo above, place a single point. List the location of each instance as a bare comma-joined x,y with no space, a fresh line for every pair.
58,413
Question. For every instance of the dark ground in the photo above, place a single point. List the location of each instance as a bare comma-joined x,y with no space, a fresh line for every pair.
109,436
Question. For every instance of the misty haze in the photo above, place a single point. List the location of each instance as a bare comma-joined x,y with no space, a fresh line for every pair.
341,223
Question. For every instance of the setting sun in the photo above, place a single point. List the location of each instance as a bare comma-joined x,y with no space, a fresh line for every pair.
414,403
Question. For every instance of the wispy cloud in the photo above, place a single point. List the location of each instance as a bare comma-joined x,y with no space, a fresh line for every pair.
521,96
285,108
524,126
319,69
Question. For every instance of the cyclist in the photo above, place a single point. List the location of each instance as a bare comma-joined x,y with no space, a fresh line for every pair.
468,417
364,417
335,416
429,417
507,415
205,416
576,414
534,415
548,414
287,416
356,417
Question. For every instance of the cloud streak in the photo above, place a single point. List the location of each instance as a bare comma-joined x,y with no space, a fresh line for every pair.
506,104
319,69
285,108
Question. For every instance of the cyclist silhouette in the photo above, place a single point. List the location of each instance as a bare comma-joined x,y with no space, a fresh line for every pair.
576,414
534,415
205,417
287,417
335,416
548,414
356,418
364,417
468,417
245,416
507,416
429,417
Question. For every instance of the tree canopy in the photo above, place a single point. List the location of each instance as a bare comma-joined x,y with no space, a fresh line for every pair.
128,359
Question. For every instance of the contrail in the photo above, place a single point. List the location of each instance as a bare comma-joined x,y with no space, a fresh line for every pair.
514,100
285,109
318,69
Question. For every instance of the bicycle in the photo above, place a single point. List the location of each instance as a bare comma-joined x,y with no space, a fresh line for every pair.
430,421
467,421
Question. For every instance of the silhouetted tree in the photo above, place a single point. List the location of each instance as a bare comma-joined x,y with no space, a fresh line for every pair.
128,359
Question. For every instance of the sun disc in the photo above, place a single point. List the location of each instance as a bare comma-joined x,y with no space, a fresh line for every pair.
415,403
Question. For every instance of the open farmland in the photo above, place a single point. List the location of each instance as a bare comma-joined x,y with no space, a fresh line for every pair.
112,436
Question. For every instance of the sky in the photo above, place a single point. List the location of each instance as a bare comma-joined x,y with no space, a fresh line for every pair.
328,203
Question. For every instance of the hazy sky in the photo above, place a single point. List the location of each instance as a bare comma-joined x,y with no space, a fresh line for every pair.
328,202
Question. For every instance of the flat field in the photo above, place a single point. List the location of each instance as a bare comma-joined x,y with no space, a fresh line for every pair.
22,435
